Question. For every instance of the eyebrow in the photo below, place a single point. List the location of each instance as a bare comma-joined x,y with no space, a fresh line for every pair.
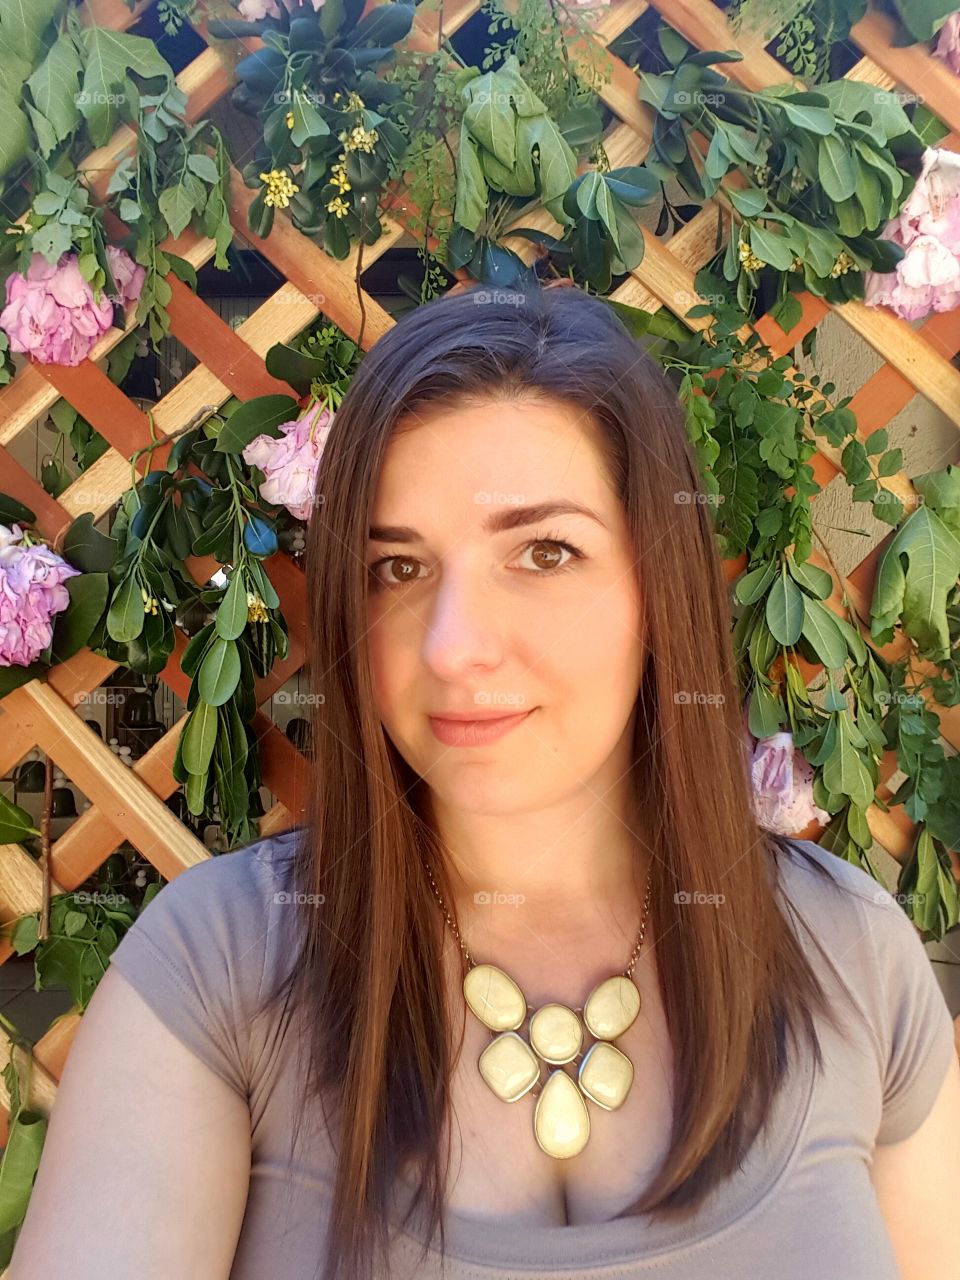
497,522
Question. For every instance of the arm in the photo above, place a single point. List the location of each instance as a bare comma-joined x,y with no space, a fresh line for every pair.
917,1181
146,1165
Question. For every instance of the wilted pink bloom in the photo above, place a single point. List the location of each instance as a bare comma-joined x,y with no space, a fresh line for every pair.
928,229
254,10
290,462
948,43
128,275
783,786
31,592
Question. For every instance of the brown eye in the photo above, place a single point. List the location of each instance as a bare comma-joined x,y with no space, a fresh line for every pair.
547,555
406,574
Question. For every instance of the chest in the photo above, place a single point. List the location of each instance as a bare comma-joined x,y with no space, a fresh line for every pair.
497,1168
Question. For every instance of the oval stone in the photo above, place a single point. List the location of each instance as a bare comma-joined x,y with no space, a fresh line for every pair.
561,1122
606,1075
494,997
556,1033
509,1066
612,1007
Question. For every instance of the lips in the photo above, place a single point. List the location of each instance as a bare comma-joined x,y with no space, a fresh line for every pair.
478,730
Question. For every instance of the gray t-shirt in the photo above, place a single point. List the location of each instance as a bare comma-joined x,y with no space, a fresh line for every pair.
801,1205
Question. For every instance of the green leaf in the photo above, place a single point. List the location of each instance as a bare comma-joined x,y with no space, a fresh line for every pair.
204,167
23,25
110,56
816,580
876,441
86,548
784,612
15,823
15,136
126,613
811,119
260,416
844,773
232,615
751,586
72,628
54,87
176,205
18,1169
199,738
836,168
219,672
749,202
770,247
825,637
890,463
917,572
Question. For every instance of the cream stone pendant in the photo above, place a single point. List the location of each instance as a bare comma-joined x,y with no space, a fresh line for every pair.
606,1075
612,1007
495,998
561,1121
556,1034
509,1066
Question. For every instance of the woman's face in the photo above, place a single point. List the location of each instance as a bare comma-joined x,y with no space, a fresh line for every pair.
477,607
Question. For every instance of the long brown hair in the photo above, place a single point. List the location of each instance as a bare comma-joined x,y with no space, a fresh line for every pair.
735,983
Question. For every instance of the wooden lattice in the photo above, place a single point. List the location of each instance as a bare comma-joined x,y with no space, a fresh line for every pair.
128,803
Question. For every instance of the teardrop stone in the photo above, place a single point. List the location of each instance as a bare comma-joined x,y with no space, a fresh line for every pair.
606,1075
509,1067
612,1007
561,1122
494,997
556,1033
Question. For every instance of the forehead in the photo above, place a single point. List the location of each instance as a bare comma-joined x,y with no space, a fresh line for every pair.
515,451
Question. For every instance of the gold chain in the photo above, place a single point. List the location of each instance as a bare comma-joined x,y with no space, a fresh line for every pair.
471,962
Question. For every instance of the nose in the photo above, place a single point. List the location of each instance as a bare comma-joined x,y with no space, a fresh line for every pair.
462,634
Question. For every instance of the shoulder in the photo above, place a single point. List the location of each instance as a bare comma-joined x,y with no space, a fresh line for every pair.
865,941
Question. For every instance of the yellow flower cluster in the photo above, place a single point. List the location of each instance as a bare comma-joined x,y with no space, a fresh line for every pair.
280,187
150,603
843,264
749,259
356,139
256,609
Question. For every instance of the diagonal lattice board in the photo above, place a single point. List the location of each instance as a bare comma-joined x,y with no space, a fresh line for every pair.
128,803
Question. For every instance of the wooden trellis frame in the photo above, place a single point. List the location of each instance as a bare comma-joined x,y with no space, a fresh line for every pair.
128,803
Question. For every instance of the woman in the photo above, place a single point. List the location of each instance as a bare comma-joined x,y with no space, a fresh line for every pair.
528,755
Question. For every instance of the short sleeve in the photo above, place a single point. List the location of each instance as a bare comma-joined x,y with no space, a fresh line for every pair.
195,955
918,1037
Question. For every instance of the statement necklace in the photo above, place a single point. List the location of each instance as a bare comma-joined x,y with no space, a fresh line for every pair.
511,1065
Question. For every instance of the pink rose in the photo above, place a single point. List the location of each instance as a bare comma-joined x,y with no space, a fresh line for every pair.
31,592
290,462
128,275
51,313
948,43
